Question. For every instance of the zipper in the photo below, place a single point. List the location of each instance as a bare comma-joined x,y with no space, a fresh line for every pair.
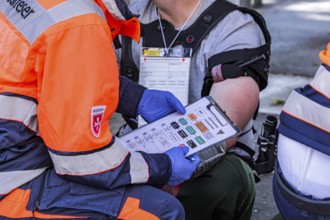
37,203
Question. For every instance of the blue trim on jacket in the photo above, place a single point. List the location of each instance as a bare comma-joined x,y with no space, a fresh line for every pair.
304,133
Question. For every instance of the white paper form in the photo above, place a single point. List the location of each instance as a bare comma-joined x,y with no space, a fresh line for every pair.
166,73
203,125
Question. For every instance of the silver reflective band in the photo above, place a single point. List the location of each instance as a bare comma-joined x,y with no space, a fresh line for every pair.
33,26
102,161
308,111
19,110
13,179
92,163
139,168
69,9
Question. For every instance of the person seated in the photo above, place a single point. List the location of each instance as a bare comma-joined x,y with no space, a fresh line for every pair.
301,182
227,190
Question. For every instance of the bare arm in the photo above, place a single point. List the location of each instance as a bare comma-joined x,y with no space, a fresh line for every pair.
238,97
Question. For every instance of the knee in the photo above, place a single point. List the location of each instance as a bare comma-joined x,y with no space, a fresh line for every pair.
174,209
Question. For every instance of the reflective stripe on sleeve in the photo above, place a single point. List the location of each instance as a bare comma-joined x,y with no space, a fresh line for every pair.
139,169
308,111
21,110
92,163
102,161
321,82
43,18
13,179
69,9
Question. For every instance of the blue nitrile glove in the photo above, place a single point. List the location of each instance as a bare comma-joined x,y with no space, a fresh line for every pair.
182,167
156,104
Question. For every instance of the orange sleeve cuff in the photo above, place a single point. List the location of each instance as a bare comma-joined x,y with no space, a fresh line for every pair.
325,55
131,28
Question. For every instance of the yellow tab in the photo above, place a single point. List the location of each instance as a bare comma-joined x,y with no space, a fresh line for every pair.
151,52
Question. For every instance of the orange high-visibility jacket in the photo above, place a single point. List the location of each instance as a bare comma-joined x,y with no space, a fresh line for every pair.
59,86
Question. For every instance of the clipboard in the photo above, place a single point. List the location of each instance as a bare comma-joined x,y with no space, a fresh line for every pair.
203,125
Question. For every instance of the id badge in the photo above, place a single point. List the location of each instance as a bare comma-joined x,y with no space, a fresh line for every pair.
166,71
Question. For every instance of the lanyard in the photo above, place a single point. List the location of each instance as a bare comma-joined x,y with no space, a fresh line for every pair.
163,35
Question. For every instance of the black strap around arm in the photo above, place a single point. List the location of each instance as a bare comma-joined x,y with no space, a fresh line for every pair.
252,62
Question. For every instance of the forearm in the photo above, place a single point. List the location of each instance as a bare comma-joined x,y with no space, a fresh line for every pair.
112,166
239,98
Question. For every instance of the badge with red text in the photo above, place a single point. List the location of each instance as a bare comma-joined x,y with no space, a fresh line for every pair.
96,119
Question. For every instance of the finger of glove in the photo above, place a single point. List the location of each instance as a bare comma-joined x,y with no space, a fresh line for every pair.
184,149
195,159
185,172
150,109
182,167
190,165
176,104
151,116
167,104
178,159
177,151
156,104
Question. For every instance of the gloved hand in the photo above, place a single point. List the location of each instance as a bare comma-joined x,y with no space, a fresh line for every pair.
182,167
155,104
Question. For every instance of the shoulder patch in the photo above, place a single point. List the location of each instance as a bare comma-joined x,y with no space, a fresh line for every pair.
97,114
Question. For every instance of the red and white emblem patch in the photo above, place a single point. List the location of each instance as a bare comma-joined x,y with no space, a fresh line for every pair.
96,119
